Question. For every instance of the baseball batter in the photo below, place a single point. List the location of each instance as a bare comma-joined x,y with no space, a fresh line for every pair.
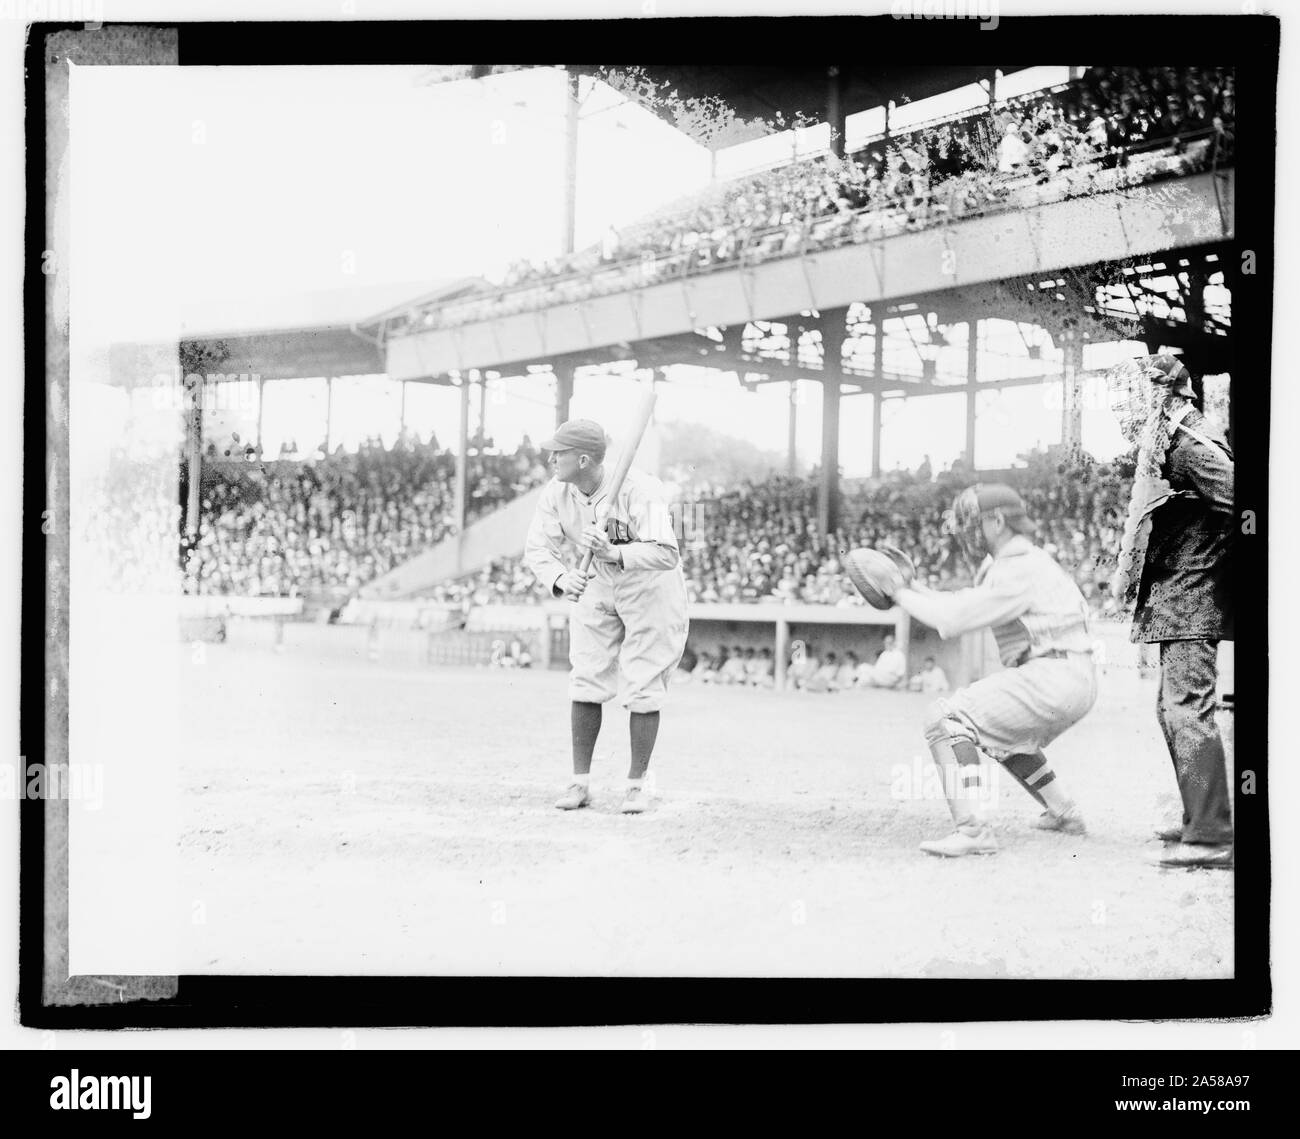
627,630
1040,622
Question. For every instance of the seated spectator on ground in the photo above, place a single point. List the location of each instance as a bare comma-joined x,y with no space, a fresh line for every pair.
717,662
862,675
762,669
734,672
890,667
930,680
705,669
803,665
847,676
824,679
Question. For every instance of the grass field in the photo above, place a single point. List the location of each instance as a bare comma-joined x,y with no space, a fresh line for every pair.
342,817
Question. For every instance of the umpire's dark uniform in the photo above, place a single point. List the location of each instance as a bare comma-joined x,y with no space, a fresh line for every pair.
1184,605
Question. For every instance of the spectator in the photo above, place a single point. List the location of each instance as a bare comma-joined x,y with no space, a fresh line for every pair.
803,665
847,676
890,667
762,670
824,678
734,671
970,163
930,680
1013,150
706,669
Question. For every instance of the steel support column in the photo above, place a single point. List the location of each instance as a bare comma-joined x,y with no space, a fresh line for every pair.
1072,395
570,161
792,454
194,459
835,115
877,399
795,333
828,488
782,652
261,391
972,387
329,412
462,458
563,392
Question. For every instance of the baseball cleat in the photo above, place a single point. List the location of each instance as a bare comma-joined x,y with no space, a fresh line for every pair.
1170,834
1198,855
1071,822
576,796
635,802
959,843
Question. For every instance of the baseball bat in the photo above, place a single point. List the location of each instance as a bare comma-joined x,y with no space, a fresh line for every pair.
635,433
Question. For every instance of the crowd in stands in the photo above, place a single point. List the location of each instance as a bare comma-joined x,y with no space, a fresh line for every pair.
759,543
330,525
806,671
1073,136
126,520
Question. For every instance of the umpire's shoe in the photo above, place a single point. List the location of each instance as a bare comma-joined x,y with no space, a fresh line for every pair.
1068,822
960,843
1198,856
576,796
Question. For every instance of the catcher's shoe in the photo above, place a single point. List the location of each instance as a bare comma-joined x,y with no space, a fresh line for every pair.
576,796
1071,822
1197,856
635,802
960,843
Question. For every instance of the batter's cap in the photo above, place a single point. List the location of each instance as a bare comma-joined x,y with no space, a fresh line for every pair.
584,435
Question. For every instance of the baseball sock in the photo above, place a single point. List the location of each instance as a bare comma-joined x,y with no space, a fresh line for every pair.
970,786
1033,773
585,724
644,727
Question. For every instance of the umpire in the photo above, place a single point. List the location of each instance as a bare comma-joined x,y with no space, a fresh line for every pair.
1174,567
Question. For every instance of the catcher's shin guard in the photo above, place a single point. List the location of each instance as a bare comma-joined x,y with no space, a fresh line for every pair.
952,745
1027,770
1032,771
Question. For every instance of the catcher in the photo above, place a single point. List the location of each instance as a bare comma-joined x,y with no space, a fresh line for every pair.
1040,622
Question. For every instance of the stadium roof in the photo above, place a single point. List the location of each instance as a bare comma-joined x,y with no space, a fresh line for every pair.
334,308
763,91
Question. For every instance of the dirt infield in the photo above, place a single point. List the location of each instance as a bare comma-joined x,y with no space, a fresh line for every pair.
350,818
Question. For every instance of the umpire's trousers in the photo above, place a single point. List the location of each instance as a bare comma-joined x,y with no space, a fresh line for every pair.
1186,706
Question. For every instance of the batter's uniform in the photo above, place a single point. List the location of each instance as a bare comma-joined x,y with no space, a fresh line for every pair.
628,630
1040,622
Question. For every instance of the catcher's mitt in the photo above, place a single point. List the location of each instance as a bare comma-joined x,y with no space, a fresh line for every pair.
901,560
875,575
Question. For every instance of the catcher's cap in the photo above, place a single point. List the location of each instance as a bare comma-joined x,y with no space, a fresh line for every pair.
1167,371
984,498
584,435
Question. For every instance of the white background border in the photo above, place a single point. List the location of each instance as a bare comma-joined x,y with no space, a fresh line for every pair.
1279,1031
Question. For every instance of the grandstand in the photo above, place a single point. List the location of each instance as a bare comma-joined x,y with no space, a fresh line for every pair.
1094,211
